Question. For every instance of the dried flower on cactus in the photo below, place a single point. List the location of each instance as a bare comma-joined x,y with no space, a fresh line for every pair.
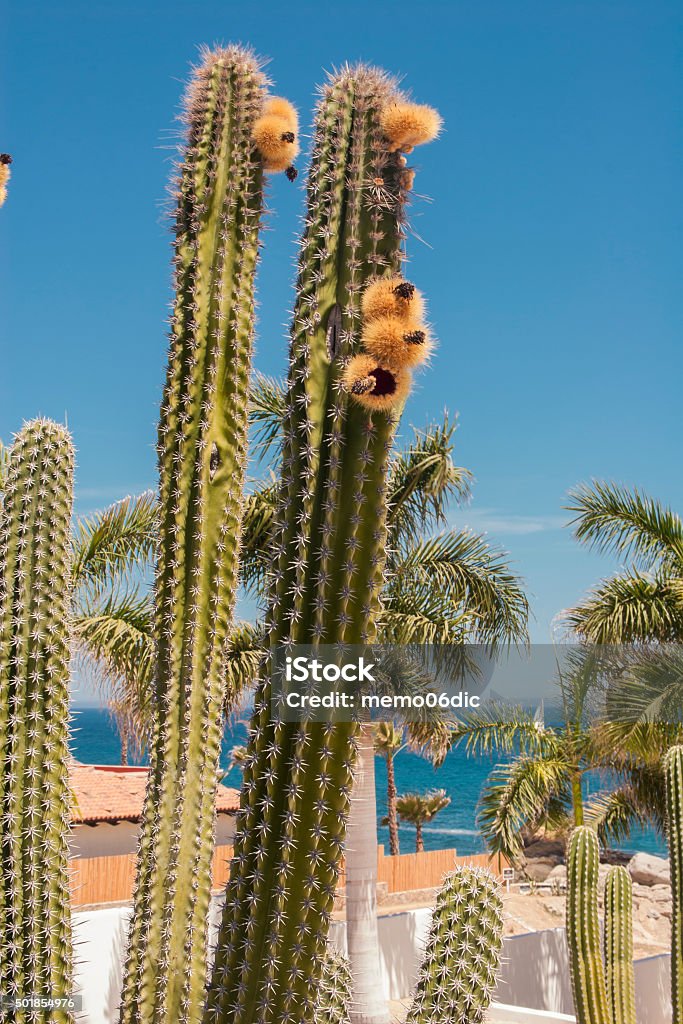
396,342
276,135
391,296
375,386
406,125
5,161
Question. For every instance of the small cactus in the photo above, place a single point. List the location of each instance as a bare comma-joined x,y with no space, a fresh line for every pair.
618,944
35,597
334,994
458,973
673,767
583,929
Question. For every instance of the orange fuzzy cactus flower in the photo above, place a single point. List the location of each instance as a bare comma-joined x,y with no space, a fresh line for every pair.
275,135
407,125
391,296
374,386
397,343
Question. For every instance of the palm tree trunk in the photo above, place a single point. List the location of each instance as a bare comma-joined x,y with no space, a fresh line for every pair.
419,841
577,799
392,817
369,1005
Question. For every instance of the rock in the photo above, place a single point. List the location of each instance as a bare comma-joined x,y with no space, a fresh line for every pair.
645,869
539,868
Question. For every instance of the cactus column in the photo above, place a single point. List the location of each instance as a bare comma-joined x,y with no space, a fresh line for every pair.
35,597
583,929
674,797
618,942
328,571
202,439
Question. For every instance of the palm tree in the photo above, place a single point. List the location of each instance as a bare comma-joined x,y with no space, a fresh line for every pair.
431,739
542,783
112,609
645,602
419,808
444,586
643,606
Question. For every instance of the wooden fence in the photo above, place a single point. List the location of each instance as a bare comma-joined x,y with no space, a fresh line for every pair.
111,879
410,871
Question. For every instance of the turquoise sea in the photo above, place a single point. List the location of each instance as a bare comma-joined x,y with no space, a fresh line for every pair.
95,741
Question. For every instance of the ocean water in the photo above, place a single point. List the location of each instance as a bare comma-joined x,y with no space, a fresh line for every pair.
95,741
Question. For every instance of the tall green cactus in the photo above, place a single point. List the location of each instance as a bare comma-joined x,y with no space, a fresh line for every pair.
202,441
673,767
583,929
618,945
35,596
331,531
462,958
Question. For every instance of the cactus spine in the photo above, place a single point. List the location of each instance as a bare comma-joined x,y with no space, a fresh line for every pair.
327,575
35,595
618,944
202,440
673,766
583,929
462,957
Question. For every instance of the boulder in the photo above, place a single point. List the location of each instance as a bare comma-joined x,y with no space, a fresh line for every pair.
646,869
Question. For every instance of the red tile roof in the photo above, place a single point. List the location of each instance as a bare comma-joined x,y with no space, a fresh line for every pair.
104,792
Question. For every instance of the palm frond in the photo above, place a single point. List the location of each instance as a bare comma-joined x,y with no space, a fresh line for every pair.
501,728
243,661
423,479
267,407
630,608
431,739
114,639
109,545
468,578
614,814
517,796
257,525
629,523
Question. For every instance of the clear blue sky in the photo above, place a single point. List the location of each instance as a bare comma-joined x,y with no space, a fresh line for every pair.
553,231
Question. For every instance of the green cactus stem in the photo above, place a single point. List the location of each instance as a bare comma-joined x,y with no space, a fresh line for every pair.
462,957
334,993
583,929
202,445
328,570
618,944
35,597
673,766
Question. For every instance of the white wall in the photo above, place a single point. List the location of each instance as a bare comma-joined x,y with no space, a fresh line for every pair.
535,973
106,839
109,839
